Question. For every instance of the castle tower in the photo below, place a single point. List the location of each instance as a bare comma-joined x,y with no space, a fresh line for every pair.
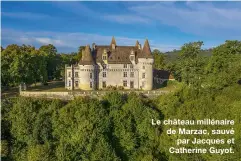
146,61
87,70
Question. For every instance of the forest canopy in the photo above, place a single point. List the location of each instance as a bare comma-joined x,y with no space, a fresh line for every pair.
118,127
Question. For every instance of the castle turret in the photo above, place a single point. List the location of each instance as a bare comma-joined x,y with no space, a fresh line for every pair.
87,58
145,64
87,70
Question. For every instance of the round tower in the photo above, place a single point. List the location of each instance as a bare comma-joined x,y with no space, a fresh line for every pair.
87,72
145,63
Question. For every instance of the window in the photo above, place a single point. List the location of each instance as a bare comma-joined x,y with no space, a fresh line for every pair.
91,75
69,83
132,74
104,57
132,58
91,85
143,75
125,74
131,66
76,84
143,67
69,74
104,74
104,84
131,84
125,65
143,84
125,83
76,74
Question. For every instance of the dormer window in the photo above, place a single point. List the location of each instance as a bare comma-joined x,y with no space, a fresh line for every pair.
132,57
139,46
104,57
104,66
125,65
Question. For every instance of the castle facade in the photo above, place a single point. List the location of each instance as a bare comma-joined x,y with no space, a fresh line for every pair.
128,67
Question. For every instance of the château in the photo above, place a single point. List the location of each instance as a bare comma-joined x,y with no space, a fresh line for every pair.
128,67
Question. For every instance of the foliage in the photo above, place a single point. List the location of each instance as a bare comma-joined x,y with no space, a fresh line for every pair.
78,56
118,127
224,67
113,88
193,104
110,87
159,59
29,65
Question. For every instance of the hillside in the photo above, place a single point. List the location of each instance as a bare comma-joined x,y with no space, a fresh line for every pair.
172,55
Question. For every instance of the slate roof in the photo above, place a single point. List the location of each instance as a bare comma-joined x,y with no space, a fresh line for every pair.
113,41
146,52
87,57
118,55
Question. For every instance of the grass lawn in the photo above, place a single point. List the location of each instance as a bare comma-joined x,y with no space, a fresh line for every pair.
53,86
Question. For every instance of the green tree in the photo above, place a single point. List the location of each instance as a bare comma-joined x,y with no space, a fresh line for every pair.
79,53
224,67
7,58
50,52
190,66
80,127
191,50
159,59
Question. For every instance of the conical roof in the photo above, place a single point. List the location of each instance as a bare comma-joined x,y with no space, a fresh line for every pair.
137,43
146,51
87,58
113,41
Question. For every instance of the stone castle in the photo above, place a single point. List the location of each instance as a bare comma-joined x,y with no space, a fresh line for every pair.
128,67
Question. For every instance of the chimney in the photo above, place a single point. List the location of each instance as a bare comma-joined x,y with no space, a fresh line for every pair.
93,46
132,52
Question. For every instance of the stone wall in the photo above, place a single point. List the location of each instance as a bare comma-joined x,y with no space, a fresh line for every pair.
96,94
